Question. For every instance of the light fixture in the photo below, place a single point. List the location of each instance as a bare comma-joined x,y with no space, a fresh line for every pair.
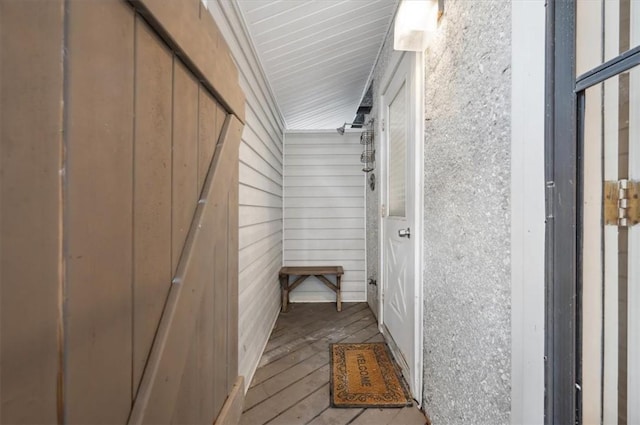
415,22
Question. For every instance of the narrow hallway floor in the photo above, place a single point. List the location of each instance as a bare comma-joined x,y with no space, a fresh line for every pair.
291,385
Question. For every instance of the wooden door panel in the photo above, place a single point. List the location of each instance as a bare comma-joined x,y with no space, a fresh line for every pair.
158,394
160,385
152,190
153,71
219,303
193,404
187,409
205,331
193,32
123,214
31,80
185,157
99,214
206,134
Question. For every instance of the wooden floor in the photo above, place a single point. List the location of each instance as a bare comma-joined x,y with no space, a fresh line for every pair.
291,385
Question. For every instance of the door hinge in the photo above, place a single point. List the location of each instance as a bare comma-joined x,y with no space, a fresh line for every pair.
382,122
622,203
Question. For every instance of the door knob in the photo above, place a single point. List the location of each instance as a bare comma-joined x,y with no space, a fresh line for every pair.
405,233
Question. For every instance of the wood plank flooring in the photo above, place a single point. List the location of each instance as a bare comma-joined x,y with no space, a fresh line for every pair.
291,385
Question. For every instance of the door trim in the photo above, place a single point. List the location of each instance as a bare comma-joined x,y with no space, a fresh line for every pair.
417,71
562,239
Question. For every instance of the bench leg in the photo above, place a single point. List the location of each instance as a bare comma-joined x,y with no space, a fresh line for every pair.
338,294
284,287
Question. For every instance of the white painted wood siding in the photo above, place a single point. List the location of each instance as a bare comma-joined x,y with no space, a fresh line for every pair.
261,187
324,211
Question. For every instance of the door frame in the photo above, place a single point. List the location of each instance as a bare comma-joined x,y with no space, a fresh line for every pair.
561,199
416,92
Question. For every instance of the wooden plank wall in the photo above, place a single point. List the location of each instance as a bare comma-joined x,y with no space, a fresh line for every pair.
189,311
98,207
261,170
152,188
30,213
109,156
324,211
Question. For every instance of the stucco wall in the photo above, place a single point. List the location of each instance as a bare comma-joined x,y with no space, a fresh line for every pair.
467,215
467,296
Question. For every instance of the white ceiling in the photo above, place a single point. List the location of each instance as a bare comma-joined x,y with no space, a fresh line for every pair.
317,55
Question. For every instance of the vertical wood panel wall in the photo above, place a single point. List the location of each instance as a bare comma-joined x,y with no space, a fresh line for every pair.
152,189
324,211
98,206
261,159
30,213
119,213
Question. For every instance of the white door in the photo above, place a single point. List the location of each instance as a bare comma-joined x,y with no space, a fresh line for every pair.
399,140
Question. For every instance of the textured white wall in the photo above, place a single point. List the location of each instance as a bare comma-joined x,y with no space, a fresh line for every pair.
261,184
324,211
467,215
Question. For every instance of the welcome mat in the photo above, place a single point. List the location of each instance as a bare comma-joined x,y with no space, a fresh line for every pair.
363,375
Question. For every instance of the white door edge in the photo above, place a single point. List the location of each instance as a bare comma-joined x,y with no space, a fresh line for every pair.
417,119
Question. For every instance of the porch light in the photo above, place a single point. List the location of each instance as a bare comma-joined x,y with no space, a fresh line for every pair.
415,22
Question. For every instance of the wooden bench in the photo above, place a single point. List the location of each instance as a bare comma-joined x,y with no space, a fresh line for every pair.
303,273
